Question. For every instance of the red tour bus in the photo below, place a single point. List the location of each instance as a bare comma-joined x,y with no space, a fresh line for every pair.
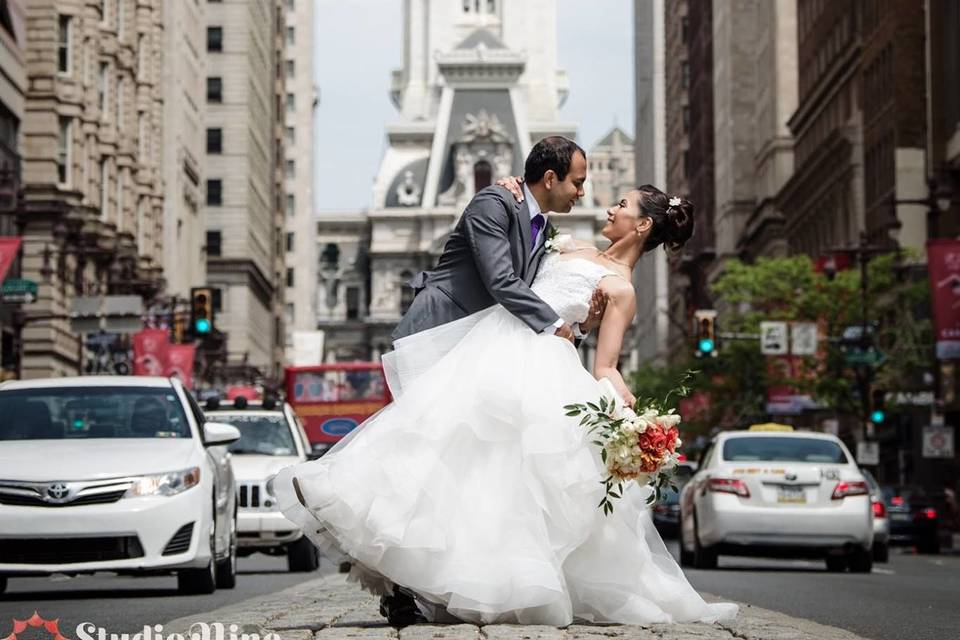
332,399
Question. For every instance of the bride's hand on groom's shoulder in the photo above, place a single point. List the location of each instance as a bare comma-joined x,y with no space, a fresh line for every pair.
514,185
598,304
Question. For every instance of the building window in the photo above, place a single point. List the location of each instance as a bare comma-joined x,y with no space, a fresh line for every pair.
104,190
141,56
104,90
290,276
353,303
291,103
215,89
291,205
214,192
215,140
120,216
103,12
142,135
215,39
291,169
141,227
121,87
330,258
686,119
214,245
482,175
291,68
291,36
685,29
289,313
64,42
291,5
217,300
291,135
685,74
289,241
64,146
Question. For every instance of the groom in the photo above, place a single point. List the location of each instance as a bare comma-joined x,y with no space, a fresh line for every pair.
491,258
493,253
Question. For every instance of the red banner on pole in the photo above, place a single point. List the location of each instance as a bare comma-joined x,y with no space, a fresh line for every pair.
943,264
150,352
180,362
9,246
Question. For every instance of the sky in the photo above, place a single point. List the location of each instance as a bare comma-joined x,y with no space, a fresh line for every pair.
358,44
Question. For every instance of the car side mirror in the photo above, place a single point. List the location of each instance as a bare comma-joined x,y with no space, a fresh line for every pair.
217,433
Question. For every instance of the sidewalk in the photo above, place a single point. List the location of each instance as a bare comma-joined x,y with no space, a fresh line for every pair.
329,608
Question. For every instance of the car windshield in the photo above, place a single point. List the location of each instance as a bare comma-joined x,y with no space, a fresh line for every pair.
782,449
58,413
261,434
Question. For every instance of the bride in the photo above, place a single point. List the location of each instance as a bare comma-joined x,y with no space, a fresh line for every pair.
473,489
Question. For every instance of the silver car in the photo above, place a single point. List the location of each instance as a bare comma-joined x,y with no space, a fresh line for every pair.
777,494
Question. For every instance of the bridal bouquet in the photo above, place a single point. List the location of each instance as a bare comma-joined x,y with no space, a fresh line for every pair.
637,443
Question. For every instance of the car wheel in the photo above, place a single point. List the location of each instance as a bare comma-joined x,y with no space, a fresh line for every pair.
881,552
703,557
861,561
686,557
302,556
836,563
203,580
227,568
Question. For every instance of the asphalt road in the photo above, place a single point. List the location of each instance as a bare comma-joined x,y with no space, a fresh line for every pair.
915,597
124,604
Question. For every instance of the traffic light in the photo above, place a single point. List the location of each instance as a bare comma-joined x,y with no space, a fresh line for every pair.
705,330
878,412
201,311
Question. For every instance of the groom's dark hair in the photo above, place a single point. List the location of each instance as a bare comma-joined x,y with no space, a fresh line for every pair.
556,153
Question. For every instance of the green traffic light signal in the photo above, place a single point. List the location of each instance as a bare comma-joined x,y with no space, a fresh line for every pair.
706,345
202,326
877,416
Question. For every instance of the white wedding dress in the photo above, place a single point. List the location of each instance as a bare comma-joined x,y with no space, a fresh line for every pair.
475,491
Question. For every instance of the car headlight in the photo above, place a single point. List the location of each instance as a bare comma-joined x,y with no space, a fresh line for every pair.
164,484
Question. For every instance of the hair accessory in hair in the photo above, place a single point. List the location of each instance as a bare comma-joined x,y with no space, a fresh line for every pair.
675,201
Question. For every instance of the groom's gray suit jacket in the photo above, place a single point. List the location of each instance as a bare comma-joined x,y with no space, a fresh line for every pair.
486,261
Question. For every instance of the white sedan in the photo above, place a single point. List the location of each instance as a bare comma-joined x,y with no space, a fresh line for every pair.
115,473
777,494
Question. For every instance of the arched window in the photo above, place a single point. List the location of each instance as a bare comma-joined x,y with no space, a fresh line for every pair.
482,175
330,258
406,292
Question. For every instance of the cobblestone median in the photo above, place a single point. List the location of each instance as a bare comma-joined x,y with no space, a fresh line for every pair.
329,608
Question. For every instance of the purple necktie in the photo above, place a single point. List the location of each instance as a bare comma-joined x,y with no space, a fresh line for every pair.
536,226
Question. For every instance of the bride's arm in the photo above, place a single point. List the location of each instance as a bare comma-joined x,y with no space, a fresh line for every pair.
621,308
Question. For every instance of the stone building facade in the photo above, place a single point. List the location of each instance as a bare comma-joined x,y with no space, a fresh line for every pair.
299,221
92,163
244,204
13,86
184,84
611,168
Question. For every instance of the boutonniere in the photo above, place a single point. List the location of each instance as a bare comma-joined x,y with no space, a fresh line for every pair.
558,242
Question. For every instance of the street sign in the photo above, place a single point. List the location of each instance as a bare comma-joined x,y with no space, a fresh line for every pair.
124,314
870,357
868,452
773,338
938,442
803,338
18,290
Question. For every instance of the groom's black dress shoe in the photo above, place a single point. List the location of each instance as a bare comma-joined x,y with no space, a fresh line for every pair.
400,609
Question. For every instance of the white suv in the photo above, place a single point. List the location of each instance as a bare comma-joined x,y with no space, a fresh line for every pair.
271,438
115,473
777,494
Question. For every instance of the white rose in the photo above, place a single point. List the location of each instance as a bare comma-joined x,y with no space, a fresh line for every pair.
670,420
628,414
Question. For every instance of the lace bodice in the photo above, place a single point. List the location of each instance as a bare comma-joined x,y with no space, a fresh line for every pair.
567,285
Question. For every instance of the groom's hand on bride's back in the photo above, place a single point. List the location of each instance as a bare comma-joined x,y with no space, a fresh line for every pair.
514,185
565,331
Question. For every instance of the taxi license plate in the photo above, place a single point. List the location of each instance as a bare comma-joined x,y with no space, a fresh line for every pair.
791,495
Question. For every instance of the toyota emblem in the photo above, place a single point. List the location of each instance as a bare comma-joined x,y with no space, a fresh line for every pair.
790,476
58,491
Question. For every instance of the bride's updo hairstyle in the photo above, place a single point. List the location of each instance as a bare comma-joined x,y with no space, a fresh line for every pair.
672,218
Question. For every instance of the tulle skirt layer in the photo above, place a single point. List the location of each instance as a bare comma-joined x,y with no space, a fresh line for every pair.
475,491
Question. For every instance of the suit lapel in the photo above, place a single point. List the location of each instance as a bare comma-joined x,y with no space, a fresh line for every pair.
523,221
538,252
